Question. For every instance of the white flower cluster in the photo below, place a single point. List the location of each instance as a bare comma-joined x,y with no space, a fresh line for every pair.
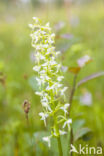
49,79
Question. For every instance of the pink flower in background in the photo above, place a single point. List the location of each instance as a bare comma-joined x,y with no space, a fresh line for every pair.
83,61
67,36
58,26
86,98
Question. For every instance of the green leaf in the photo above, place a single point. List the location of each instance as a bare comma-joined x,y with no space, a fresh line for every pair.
41,147
81,132
39,135
77,124
33,83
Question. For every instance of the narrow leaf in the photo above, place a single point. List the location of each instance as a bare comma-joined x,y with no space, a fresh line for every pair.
95,75
77,124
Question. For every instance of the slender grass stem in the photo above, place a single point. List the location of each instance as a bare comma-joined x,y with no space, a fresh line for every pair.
58,137
59,146
72,93
70,140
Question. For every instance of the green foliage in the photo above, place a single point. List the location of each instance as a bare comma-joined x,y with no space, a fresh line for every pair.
81,132
33,83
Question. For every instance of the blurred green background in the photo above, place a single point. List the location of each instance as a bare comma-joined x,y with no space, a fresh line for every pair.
79,28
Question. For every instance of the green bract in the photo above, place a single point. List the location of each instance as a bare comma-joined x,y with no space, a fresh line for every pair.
49,79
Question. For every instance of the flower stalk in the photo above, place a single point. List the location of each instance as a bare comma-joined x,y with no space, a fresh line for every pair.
70,141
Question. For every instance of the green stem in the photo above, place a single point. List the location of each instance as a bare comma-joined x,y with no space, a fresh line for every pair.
70,141
59,146
72,93
58,137
56,127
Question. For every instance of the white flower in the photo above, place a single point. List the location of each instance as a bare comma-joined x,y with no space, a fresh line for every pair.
58,68
48,140
38,47
40,81
65,107
57,53
31,26
43,117
47,28
55,86
44,100
49,88
45,103
49,77
63,90
45,46
60,78
36,68
45,64
38,93
64,68
43,32
39,56
47,24
62,132
52,35
45,77
36,39
50,50
42,57
54,132
50,41
42,72
67,123
47,106
53,63
36,19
